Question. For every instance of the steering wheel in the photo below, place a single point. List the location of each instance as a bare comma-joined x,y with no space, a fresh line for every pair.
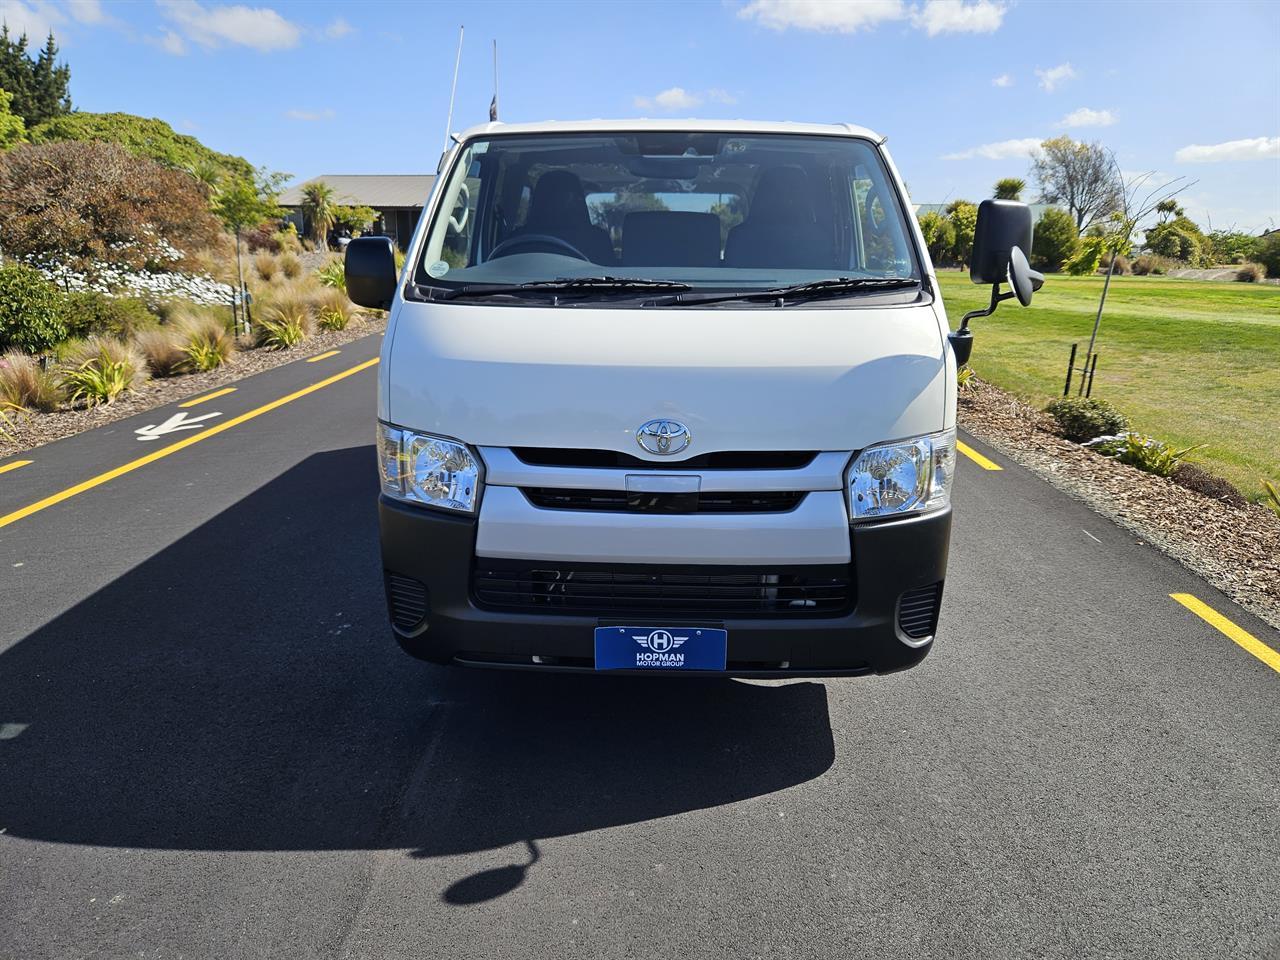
509,246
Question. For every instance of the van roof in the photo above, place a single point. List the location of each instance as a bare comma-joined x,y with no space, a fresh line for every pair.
690,126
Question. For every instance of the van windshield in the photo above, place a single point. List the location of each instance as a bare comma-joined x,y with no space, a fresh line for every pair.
715,211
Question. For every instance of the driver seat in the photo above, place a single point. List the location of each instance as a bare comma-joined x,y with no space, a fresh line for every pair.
558,208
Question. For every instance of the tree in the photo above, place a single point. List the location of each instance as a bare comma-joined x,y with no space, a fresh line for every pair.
1079,176
1268,252
86,205
146,138
12,129
320,207
1055,241
241,202
939,235
357,218
1009,188
39,86
964,220
610,213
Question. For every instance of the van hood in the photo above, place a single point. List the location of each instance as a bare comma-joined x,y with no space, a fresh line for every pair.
771,378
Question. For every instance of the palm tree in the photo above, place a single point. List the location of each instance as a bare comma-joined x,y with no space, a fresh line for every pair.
1010,188
319,207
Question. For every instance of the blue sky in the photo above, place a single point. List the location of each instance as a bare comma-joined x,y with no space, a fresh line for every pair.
962,89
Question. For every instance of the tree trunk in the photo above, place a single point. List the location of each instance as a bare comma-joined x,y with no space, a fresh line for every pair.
1097,321
240,279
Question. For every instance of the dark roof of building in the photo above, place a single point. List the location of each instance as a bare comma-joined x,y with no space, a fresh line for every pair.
377,190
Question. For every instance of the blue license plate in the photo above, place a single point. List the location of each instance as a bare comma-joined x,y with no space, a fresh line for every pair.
661,648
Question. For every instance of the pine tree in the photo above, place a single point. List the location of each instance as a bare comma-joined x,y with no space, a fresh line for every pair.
39,86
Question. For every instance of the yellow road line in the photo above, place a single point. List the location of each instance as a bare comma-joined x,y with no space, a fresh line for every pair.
14,465
976,457
209,396
163,452
323,356
1242,637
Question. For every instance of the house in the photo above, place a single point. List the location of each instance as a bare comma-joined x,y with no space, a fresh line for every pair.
398,198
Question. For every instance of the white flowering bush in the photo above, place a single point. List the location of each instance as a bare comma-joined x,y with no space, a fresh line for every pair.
149,285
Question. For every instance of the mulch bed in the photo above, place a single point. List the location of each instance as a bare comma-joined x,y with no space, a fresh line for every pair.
1232,543
34,429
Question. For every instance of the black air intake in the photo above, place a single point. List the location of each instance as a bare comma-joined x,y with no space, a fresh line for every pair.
918,611
407,601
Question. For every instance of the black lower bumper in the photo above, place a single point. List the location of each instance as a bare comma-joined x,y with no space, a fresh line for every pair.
428,557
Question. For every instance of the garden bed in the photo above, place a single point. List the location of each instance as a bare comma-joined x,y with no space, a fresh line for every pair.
1233,544
33,429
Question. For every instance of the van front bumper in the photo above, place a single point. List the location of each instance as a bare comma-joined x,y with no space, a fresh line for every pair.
428,558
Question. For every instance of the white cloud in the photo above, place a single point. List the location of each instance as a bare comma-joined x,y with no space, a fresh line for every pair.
850,16
955,16
717,95
35,19
311,115
1084,117
673,98
1255,148
260,28
842,16
1051,78
172,43
338,29
87,11
1004,80
1002,150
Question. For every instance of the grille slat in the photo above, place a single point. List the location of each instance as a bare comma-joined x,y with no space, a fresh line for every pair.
720,460
606,590
407,600
918,611
619,501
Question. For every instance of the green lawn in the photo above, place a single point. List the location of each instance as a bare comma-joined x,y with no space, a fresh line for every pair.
1190,362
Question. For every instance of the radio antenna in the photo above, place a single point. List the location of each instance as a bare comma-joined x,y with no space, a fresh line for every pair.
448,124
493,104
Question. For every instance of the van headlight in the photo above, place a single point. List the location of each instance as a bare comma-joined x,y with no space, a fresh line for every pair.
419,468
911,476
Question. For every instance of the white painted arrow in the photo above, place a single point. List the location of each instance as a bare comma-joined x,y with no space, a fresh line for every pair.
179,421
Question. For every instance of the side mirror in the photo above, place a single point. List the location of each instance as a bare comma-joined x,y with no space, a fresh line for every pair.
1002,235
371,272
1002,225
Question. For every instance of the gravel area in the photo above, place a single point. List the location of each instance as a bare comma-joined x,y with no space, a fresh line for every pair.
34,429
1235,547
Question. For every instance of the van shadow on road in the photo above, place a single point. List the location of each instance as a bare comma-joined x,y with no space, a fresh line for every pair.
239,690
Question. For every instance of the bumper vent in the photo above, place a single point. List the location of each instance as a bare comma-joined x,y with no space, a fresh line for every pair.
407,601
918,611
643,589
617,501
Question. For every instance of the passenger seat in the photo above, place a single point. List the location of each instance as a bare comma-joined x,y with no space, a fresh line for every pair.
667,238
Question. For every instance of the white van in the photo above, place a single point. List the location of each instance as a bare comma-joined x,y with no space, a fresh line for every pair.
670,396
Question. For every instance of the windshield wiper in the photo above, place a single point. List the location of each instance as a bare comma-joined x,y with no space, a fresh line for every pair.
569,285
811,290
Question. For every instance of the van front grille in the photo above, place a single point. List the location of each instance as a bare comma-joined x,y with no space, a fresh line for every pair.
918,611
652,589
618,501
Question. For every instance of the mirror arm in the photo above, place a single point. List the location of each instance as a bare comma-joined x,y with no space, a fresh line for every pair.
996,298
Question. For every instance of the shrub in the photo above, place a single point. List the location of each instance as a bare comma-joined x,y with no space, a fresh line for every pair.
263,237
1272,497
1268,253
1203,482
965,378
333,273
266,265
101,370
1251,273
205,341
89,312
1145,453
290,266
1149,263
333,310
31,315
163,351
1122,266
286,319
1083,418
24,385
939,236
1055,240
